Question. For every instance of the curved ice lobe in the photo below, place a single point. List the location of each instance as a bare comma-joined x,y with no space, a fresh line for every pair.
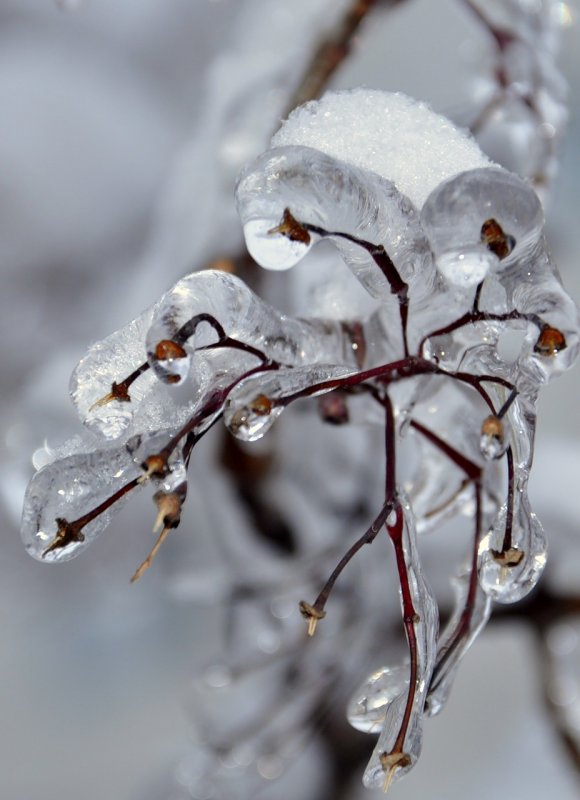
388,133
399,744
322,192
256,402
457,214
106,364
206,307
63,494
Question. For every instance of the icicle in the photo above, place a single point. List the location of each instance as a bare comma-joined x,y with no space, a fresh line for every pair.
66,491
399,744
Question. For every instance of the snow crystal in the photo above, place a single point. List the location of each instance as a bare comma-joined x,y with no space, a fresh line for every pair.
389,133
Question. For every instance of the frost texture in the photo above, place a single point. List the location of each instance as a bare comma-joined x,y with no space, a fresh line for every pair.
450,249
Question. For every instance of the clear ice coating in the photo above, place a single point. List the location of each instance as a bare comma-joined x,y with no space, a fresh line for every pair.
64,492
465,321
509,573
256,402
368,706
401,737
184,322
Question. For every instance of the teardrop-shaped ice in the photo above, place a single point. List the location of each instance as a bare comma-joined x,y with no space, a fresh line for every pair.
57,518
509,574
454,218
204,305
254,405
294,192
367,707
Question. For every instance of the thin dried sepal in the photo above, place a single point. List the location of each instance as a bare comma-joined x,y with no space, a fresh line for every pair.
149,560
390,762
118,392
66,534
312,614
291,229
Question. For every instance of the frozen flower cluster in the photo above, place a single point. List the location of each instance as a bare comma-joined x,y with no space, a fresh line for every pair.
467,320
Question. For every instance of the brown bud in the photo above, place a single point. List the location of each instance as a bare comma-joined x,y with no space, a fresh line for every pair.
261,405
492,426
493,236
508,558
333,408
550,342
155,466
166,350
291,228
67,533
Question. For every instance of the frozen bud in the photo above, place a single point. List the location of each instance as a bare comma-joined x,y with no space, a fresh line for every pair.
251,421
492,442
550,342
494,238
171,361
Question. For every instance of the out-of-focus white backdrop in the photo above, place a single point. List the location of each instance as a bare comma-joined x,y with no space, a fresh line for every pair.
99,109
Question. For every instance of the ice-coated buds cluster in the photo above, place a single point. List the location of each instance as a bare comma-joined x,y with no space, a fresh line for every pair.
450,248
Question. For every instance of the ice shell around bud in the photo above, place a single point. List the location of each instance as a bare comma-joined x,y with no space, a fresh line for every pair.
367,708
493,442
253,420
256,402
455,212
67,490
508,578
270,249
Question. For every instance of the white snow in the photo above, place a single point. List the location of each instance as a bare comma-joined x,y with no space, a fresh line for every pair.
389,133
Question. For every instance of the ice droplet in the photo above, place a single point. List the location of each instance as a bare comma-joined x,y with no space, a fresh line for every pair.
254,405
67,490
507,575
273,250
367,707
